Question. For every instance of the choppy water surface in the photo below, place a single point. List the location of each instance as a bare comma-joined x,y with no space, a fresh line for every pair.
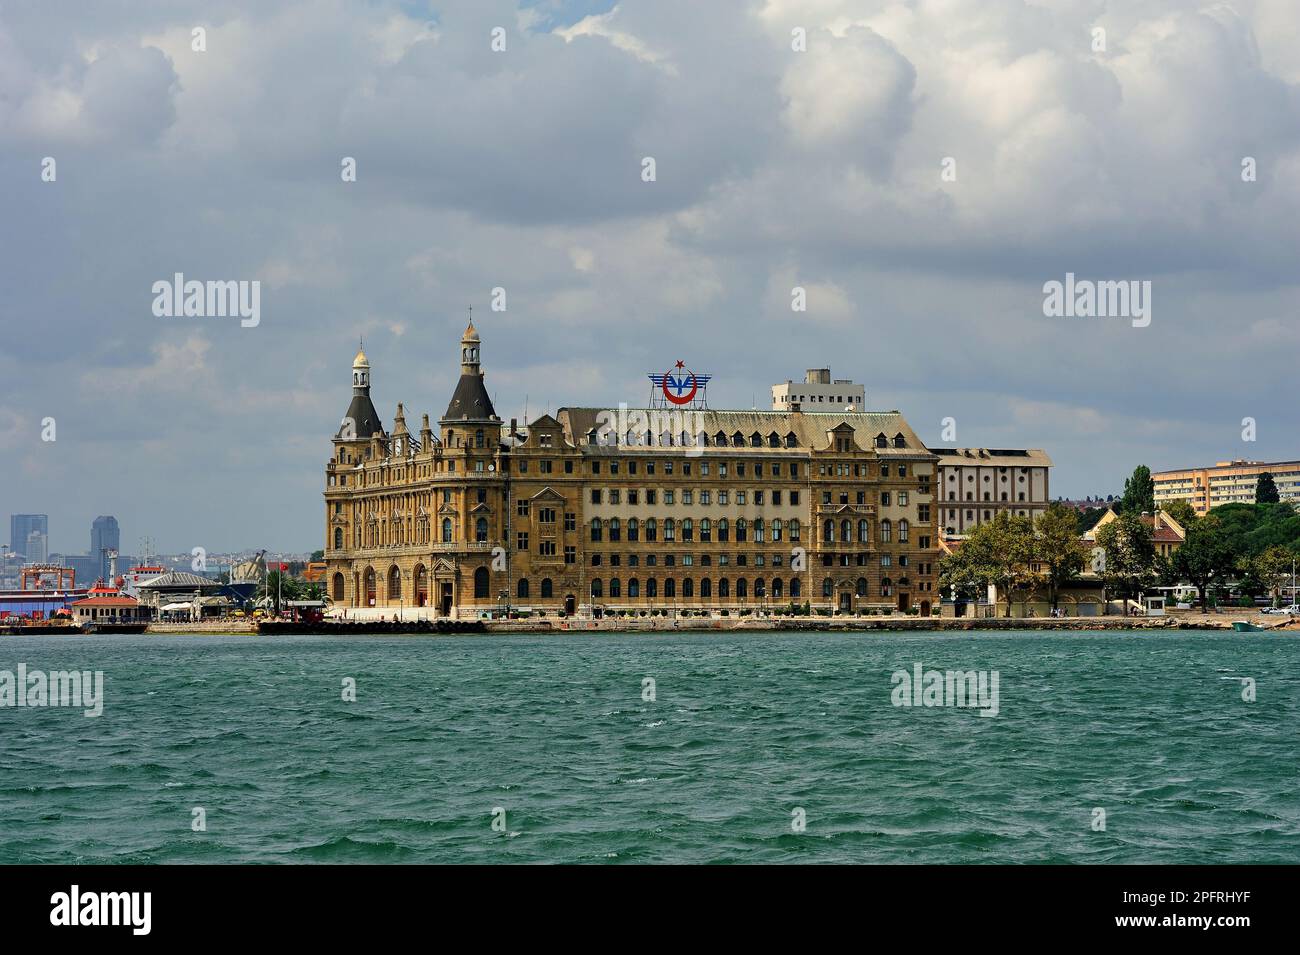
744,730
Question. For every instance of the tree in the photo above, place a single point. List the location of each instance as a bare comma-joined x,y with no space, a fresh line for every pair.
1059,548
1181,511
317,555
1139,492
1266,490
1130,555
1270,568
998,552
1205,553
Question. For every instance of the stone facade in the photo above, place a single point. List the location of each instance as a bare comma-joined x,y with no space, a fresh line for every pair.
595,510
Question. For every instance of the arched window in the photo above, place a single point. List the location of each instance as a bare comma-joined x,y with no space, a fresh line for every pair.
369,579
481,583
615,588
546,587
827,587
521,589
846,531
338,538
794,527
394,583
796,588
652,588
777,588
706,531
706,587
338,588
776,529
864,532
670,587
670,529
634,588
724,587
759,531
633,529
828,532
742,587
480,530
596,533
596,590
651,529
886,531
886,587
760,588
688,587
741,529
724,531
446,530
688,529
902,532
861,588
615,534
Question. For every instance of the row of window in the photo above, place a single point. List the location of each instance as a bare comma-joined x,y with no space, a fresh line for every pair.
610,438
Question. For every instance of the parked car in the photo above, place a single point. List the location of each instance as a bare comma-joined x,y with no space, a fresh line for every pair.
1292,610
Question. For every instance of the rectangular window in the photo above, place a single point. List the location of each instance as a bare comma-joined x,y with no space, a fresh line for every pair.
688,497
723,497
521,507
740,498
570,555
884,499
546,467
595,495
615,496
523,467
794,498
521,541
758,497
632,496
669,497
776,497
613,467
570,521
706,497
547,548
650,496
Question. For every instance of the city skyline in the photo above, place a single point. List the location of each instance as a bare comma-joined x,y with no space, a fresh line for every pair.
923,218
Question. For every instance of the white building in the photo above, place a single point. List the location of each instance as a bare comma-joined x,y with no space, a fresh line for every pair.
818,392
976,483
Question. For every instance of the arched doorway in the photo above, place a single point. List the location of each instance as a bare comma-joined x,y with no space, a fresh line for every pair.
925,608
338,591
481,587
421,586
370,586
394,584
570,604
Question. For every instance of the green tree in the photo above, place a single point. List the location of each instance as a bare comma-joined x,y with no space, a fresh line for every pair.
1181,511
1059,548
1130,555
317,555
1139,492
1206,553
1270,569
1266,490
998,552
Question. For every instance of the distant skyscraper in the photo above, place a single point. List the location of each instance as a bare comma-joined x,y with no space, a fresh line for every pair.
104,536
21,527
37,547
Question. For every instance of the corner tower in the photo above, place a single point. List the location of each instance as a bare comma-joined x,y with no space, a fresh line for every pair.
470,401
361,420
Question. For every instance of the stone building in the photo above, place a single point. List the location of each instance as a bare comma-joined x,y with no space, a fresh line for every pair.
598,510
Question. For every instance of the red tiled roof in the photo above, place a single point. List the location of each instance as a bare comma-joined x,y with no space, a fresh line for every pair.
107,602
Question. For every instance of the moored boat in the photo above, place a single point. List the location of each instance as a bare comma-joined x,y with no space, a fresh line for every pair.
1245,626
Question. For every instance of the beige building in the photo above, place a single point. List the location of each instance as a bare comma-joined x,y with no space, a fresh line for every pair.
1228,482
601,510
976,483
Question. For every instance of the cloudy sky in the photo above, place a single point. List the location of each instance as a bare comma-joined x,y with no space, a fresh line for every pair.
522,169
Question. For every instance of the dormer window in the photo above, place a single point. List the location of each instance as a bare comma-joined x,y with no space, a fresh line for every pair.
900,441
882,441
